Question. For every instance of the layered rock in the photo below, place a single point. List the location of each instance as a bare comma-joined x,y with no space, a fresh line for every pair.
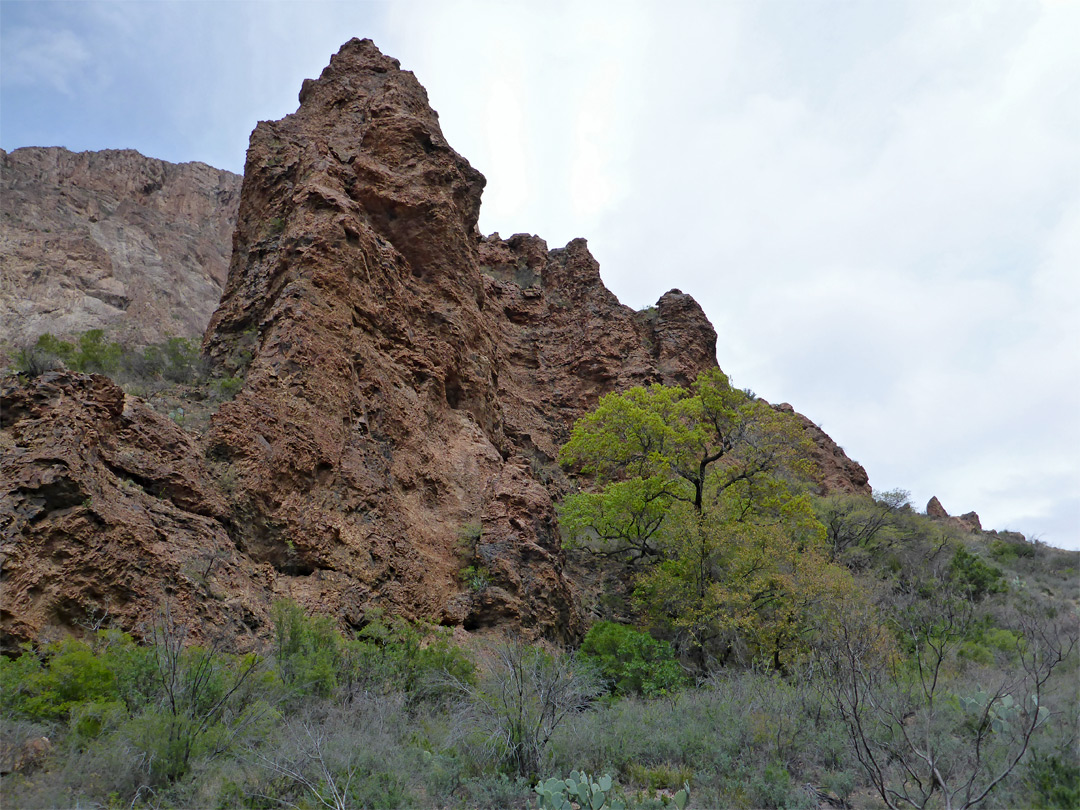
111,240
408,383
108,513
398,392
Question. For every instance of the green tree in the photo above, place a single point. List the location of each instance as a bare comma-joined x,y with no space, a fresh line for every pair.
96,355
701,490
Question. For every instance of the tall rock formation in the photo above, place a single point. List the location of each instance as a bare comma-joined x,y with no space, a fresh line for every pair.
111,240
410,379
407,385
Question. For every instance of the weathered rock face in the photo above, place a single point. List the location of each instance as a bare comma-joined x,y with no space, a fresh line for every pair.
111,240
106,513
934,509
408,383
399,392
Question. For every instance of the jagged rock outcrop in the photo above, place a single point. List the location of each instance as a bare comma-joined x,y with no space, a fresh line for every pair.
111,240
407,385
399,392
934,509
107,512
968,522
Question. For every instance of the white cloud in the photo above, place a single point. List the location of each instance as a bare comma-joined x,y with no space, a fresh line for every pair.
40,57
876,204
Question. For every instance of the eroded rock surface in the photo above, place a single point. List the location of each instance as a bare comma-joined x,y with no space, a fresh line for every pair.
107,513
111,240
408,383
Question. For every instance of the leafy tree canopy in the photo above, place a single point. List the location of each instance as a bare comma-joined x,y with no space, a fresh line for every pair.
703,491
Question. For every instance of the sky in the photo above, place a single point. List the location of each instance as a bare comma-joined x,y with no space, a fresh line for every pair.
877,203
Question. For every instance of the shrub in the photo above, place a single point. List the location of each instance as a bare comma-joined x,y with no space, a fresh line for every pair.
395,655
476,578
386,656
50,690
975,577
632,661
306,650
1054,782
1005,551
523,697
33,362
228,387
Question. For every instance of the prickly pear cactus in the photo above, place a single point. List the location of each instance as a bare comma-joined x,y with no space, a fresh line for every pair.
579,792
1003,711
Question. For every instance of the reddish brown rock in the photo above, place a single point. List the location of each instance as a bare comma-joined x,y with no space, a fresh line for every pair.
838,472
934,509
106,514
111,240
968,522
22,756
409,377
406,380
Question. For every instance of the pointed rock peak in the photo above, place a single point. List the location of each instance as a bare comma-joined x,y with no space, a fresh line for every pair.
360,167
934,509
684,336
358,69
355,56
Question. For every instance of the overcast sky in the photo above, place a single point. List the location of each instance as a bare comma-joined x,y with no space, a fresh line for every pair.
877,203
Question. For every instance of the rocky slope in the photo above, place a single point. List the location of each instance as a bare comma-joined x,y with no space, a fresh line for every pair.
407,385
111,240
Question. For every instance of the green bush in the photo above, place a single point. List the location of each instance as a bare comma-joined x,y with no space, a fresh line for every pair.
972,575
1054,782
307,650
394,655
772,788
476,578
177,360
314,659
64,676
1005,551
91,353
633,662
228,387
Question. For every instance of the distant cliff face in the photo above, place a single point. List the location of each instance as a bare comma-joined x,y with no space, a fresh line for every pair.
408,383
111,240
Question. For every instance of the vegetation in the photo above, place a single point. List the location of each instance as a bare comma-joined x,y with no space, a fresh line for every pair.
176,360
172,375
787,650
633,662
702,492
934,664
